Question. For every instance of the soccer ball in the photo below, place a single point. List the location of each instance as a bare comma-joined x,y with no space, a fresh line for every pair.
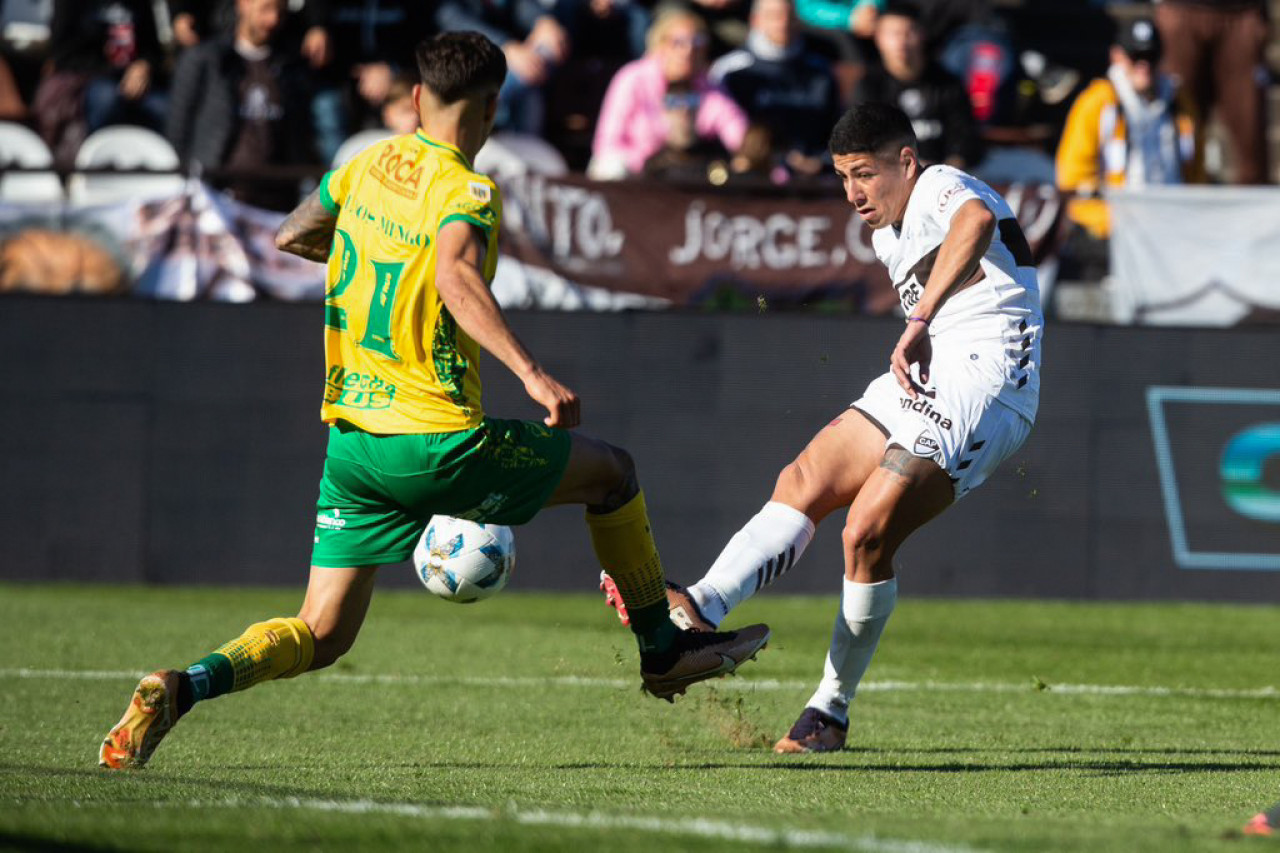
462,561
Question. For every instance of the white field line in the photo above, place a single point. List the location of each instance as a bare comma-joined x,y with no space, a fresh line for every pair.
743,684
718,830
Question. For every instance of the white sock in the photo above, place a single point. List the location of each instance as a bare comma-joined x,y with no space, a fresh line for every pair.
756,556
864,611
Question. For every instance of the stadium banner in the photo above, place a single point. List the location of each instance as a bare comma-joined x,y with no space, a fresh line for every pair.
566,243
689,247
180,443
1218,267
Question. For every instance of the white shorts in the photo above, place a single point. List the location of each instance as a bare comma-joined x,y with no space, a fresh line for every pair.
955,421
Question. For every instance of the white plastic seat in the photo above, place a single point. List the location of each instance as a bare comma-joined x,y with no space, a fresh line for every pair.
124,147
357,142
22,147
507,154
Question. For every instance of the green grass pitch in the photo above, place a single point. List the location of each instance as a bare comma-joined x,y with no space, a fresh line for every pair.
517,724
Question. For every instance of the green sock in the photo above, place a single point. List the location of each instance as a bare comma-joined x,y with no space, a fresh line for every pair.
653,627
211,676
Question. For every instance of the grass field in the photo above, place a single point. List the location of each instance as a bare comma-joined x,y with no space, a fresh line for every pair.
517,724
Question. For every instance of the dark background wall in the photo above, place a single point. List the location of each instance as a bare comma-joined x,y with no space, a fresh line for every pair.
180,443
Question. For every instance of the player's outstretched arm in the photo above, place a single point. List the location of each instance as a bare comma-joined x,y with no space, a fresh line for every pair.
968,238
460,254
308,231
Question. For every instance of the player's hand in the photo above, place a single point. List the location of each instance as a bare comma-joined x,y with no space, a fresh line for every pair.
549,39
563,409
136,80
525,63
862,22
914,347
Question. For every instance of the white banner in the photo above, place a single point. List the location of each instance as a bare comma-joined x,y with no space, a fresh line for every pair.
201,244
1195,256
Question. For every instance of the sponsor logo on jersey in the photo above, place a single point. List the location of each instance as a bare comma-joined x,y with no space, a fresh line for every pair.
331,522
356,390
909,287
400,174
480,192
925,445
925,408
909,292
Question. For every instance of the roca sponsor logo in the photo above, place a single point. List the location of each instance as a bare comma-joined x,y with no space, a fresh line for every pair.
924,407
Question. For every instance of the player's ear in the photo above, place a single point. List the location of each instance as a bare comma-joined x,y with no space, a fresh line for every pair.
417,98
909,161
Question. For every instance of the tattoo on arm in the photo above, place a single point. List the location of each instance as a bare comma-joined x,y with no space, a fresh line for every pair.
308,231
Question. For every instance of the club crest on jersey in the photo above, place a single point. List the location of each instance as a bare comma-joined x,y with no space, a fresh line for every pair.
925,445
480,192
925,408
945,197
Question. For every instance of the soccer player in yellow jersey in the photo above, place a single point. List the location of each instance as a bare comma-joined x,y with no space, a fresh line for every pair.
409,233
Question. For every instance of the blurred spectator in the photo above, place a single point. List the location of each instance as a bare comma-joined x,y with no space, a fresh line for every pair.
934,99
1130,128
685,156
535,44
12,107
240,104
973,43
782,86
633,123
105,60
1216,48
399,113
726,22
606,28
355,48
24,41
194,21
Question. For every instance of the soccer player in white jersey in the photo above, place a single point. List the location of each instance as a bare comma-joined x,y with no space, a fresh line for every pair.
960,397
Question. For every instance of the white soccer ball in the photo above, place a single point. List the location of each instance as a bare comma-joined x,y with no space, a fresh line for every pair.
462,561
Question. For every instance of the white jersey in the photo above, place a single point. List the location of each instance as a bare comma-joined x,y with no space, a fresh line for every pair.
996,323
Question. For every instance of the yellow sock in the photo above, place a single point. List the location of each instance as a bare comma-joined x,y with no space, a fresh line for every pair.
624,545
277,648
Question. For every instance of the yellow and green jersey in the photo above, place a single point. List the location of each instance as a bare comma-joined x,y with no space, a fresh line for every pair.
396,362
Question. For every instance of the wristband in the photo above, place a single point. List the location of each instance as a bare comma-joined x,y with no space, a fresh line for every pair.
918,320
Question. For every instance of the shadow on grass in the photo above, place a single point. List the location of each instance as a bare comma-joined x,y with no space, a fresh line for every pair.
817,763
1072,750
36,844
153,776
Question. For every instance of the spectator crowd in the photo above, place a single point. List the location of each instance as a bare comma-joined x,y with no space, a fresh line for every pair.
718,91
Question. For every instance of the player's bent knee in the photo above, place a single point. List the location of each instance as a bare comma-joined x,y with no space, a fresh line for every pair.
863,536
795,486
621,484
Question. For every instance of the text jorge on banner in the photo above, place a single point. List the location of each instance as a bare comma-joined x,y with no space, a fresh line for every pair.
684,246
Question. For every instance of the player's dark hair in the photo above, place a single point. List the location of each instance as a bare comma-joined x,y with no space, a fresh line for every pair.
872,129
461,65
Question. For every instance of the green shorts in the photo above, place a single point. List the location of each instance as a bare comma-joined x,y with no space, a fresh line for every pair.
379,491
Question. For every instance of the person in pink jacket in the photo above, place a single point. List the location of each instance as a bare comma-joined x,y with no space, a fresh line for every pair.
632,125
